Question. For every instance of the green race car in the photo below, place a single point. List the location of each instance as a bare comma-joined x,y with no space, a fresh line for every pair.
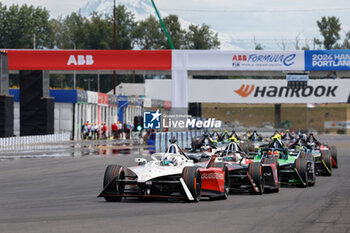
294,170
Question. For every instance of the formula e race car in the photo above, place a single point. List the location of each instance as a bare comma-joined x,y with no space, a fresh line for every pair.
255,141
324,161
245,174
298,169
171,175
332,150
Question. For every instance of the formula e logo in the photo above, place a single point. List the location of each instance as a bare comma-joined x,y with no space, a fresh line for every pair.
245,90
151,120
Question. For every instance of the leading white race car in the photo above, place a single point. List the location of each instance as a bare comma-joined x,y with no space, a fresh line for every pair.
171,175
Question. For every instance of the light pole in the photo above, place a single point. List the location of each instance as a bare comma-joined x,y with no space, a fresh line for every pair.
74,72
114,44
89,83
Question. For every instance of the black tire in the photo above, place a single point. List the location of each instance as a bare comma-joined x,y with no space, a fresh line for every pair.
308,157
227,181
251,148
192,178
301,167
274,161
334,155
302,155
326,162
254,171
111,172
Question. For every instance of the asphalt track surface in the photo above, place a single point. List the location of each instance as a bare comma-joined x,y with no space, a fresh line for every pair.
59,195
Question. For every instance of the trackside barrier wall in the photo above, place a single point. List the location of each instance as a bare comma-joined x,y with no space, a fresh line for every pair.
13,142
184,139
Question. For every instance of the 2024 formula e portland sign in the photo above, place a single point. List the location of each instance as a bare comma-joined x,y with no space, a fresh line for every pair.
327,60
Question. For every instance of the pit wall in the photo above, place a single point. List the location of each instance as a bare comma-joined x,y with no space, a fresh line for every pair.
11,143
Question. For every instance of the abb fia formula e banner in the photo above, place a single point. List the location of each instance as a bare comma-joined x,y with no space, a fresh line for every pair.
238,60
268,91
327,60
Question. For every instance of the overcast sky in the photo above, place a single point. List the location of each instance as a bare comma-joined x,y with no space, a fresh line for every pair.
269,21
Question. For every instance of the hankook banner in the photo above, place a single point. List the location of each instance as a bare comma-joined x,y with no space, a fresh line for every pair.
256,91
268,91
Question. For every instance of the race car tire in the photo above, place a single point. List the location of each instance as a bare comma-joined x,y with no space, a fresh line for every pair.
274,161
302,155
227,184
251,148
327,160
111,172
245,146
192,178
255,172
301,167
334,155
308,157
227,181
194,143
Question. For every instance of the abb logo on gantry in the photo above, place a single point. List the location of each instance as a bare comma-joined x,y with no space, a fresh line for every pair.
239,58
80,60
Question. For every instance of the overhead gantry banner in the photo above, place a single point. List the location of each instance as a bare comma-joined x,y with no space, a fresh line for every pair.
182,61
216,60
255,91
258,60
89,59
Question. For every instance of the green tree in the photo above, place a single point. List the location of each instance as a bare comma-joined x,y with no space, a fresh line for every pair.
148,34
125,28
23,27
99,33
329,28
70,32
201,37
258,47
176,33
346,43
95,32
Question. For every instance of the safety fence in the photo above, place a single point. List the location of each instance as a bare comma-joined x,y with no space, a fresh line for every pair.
183,139
14,142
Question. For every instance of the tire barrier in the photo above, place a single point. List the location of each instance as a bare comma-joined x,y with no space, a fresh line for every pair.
14,142
184,139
